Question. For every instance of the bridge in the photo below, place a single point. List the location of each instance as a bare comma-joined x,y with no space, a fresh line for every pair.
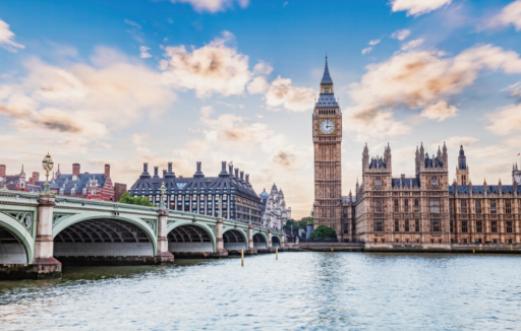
39,232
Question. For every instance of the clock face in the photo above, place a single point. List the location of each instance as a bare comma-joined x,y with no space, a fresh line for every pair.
327,126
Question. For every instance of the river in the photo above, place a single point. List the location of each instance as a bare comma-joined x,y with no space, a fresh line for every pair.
299,291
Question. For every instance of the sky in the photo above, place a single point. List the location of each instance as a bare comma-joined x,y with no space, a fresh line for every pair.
127,82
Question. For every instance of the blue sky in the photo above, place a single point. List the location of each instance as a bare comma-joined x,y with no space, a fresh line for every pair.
235,80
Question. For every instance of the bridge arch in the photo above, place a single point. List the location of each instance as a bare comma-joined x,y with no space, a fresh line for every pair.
234,240
190,238
104,236
275,241
260,240
14,253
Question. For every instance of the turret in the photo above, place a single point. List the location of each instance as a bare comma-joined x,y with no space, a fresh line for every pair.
462,170
388,157
365,158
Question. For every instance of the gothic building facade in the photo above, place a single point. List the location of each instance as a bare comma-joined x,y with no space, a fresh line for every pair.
229,195
274,211
422,211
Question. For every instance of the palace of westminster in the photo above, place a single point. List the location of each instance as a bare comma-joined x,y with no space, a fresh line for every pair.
422,211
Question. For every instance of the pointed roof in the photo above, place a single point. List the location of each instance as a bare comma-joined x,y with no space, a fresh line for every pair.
326,77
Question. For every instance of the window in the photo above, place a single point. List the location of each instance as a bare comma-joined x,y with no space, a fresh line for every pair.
406,207
378,205
509,226
378,183
463,205
435,225
464,227
396,207
434,206
508,207
417,225
478,206
479,227
379,225
406,225
416,205
396,225
493,206
493,226
434,182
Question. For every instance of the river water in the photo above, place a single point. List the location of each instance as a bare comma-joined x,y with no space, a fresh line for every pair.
299,291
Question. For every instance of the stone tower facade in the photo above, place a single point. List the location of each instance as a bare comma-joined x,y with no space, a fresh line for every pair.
327,142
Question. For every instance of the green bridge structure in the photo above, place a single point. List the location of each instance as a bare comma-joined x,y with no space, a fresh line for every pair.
39,232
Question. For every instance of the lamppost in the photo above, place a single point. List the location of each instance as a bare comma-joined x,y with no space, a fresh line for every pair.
47,165
162,192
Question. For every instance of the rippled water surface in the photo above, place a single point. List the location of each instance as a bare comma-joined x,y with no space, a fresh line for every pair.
300,291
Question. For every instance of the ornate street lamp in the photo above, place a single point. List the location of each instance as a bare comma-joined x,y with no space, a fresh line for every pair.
162,192
47,165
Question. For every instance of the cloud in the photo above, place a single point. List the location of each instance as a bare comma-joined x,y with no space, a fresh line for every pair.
371,44
258,85
515,90
401,35
213,6
418,80
439,111
283,93
509,15
144,52
505,121
7,38
88,99
417,7
415,43
213,68
284,159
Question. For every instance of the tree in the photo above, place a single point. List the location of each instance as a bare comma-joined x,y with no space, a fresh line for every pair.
323,233
132,200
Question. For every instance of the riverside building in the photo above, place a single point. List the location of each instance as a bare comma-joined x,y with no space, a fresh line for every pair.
229,195
422,211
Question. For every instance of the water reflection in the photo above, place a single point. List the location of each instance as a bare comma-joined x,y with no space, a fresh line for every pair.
300,291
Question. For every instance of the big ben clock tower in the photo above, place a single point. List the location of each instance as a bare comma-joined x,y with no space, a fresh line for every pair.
327,142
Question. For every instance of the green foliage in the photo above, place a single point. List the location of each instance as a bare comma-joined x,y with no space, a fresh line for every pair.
298,224
142,201
323,233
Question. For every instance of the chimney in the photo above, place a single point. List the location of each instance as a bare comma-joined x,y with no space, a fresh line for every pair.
76,169
164,173
107,170
156,171
230,169
198,166
35,177
223,169
169,167
2,170
145,167
236,173
247,178
242,175
198,170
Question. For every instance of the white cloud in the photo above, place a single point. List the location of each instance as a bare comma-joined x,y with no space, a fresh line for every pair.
417,7
439,111
415,43
84,99
263,68
506,120
401,35
282,93
419,79
144,52
371,44
7,38
515,90
213,6
213,68
258,85
509,15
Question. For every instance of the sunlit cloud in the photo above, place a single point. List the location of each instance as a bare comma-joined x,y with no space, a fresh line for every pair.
417,7
7,38
509,15
213,6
